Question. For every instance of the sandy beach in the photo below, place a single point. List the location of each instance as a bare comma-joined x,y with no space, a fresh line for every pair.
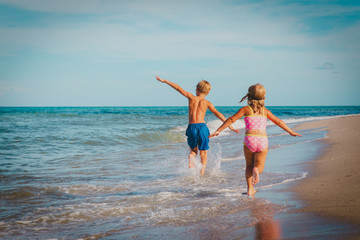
331,188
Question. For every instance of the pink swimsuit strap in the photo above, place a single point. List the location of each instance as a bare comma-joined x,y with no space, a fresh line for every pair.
255,122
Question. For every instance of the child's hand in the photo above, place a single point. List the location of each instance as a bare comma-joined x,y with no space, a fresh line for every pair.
295,134
214,134
235,130
159,79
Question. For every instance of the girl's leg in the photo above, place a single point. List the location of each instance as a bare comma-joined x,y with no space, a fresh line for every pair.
249,157
259,163
203,156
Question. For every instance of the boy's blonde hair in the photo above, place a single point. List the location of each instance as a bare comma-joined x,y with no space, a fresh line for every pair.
256,95
203,87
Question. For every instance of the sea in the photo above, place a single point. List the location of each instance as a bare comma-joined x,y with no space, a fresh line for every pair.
122,173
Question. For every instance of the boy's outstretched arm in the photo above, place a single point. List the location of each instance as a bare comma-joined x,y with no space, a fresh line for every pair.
281,124
175,86
220,116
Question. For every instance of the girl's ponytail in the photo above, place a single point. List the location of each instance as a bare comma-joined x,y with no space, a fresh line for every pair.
245,97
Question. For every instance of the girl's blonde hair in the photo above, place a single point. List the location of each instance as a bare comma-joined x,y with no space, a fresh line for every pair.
203,86
255,97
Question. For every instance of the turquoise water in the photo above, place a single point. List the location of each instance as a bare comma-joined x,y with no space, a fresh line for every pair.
113,172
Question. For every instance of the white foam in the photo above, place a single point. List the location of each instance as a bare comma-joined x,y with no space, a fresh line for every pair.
161,213
233,159
87,189
308,119
23,222
303,175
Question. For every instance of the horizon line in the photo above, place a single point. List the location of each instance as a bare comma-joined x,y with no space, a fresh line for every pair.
20,106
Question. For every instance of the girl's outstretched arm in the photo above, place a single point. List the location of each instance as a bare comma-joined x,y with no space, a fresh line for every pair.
220,116
229,121
281,124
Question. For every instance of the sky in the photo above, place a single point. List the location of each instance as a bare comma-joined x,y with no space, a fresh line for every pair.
107,53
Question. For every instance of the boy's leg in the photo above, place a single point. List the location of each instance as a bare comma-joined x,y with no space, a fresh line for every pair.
203,156
259,163
249,157
192,155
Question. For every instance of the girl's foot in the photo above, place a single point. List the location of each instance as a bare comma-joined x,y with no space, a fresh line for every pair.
251,192
255,176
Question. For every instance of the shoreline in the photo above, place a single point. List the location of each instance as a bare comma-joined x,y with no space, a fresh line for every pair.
326,203
331,188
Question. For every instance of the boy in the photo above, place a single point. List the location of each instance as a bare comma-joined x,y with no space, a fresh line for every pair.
197,131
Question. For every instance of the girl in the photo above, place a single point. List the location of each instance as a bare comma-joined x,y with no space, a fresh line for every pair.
255,141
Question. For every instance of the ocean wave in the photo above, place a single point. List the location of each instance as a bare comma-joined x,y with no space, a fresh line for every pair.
18,194
213,125
160,137
87,189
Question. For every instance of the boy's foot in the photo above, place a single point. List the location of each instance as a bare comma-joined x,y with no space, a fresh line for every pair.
255,176
202,172
191,161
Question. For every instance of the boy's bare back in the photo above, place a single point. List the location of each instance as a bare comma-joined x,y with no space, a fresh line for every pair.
197,109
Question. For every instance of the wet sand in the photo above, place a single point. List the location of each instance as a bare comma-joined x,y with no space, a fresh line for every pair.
325,204
332,188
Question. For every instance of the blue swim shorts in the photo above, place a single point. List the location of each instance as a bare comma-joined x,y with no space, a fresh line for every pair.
198,135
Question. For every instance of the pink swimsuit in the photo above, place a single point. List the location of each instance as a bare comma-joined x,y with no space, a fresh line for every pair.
255,142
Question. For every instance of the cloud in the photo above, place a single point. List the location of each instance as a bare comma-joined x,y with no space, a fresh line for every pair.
68,6
172,30
327,66
117,39
8,87
139,30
